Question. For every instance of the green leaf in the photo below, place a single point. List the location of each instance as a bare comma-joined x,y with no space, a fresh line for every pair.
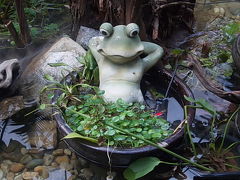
142,107
50,96
115,119
42,106
140,168
48,77
57,64
100,92
130,114
119,137
177,51
76,135
203,103
110,132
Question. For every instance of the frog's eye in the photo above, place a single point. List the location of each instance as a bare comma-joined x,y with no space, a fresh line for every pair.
132,29
106,29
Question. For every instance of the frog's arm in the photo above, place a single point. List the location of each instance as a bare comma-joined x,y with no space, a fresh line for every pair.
154,53
93,43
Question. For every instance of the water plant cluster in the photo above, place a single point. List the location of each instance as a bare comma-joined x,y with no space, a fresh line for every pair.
89,115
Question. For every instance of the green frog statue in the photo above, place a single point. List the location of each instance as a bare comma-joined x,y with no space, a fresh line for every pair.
121,67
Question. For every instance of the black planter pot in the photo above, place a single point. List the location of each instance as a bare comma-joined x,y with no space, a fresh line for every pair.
123,157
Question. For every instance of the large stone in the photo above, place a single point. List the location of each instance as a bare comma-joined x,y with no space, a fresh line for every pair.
16,167
10,176
25,159
30,175
1,174
43,134
65,50
42,170
7,69
33,163
85,34
62,159
48,159
58,152
10,106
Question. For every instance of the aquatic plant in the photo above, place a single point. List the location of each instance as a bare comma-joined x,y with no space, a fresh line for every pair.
131,116
90,72
230,31
214,154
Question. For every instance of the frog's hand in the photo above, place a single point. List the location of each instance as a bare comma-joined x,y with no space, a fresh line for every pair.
93,43
154,53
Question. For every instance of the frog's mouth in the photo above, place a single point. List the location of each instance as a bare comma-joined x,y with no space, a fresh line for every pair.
122,56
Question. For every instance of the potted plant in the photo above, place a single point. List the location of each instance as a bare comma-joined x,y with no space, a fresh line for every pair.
100,152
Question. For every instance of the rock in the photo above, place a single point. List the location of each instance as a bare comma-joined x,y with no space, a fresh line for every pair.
4,168
67,152
58,152
82,162
87,173
35,162
10,176
43,134
62,159
7,69
24,151
16,167
25,159
13,156
13,145
18,177
73,156
75,163
48,159
66,166
54,164
1,174
34,151
8,162
85,34
65,50
74,172
10,106
38,155
42,170
73,177
29,175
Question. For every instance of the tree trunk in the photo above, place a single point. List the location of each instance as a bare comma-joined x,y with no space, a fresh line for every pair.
156,18
24,29
77,9
9,25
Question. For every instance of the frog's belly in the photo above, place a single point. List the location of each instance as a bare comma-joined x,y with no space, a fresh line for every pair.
127,91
